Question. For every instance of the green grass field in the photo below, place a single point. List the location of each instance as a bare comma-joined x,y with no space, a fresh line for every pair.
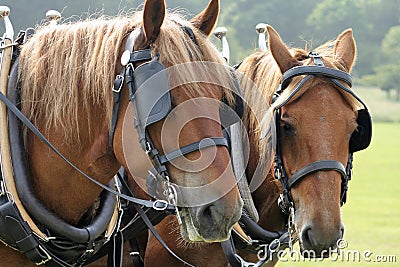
372,212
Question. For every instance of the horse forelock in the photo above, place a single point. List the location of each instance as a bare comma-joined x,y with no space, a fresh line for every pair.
67,71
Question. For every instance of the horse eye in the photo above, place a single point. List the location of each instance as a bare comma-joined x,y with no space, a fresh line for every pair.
287,127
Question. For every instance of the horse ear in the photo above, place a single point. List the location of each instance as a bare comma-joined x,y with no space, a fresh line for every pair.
279,51
345,48
206,20
153,17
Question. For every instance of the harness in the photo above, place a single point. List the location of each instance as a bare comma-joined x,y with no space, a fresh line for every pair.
68,246
45,239
151,100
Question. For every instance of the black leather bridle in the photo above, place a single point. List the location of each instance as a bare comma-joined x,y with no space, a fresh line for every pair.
359,140
151,101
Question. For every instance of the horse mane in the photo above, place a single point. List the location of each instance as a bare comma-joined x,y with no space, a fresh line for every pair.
261,72
67,71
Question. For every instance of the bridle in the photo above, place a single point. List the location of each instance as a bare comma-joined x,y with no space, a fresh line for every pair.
359,140
151,100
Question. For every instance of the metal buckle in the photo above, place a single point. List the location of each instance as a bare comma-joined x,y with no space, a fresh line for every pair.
117,225
244,263
46,254
276,243
162,202
148,148
5,192
120,77
3,189
172,196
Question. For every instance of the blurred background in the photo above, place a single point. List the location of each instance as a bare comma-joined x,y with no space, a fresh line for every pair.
372,213
375,24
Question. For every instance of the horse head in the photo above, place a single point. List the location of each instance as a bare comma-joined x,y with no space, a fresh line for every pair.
193,74
317,119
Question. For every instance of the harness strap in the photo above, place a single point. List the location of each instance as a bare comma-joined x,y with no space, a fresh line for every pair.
29,124
135,254
322,165
150,226
190,32
25,239
235,260
115,254
230,253
134,56
204,143
256,232
118,83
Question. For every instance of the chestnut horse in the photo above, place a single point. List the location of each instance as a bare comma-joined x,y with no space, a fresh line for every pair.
315,124
67,72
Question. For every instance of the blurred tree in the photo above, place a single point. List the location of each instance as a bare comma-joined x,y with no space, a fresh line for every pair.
388,74
369,19
299,22
241,17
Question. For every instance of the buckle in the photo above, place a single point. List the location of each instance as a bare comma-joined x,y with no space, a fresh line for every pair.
160,204
48,257
147,149
118,82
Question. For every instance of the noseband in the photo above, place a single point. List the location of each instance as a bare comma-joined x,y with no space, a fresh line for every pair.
359,140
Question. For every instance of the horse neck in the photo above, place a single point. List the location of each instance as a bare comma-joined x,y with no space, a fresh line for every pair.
265,197
61,189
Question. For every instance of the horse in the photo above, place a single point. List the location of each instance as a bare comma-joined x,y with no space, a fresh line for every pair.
317,122
68,91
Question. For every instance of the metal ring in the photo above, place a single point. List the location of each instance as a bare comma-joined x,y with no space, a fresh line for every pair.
134,253
163,203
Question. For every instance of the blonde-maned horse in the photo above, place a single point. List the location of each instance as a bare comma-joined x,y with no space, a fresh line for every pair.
315,124
67,72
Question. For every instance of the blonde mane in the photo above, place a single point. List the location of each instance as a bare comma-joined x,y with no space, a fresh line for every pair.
67,71
261,68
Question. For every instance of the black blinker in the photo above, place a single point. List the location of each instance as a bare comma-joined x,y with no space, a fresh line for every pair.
361,137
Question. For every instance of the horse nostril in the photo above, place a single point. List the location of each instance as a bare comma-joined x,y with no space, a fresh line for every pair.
306,237
204,213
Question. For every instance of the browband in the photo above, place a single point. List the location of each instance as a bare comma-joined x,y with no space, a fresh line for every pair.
315,70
